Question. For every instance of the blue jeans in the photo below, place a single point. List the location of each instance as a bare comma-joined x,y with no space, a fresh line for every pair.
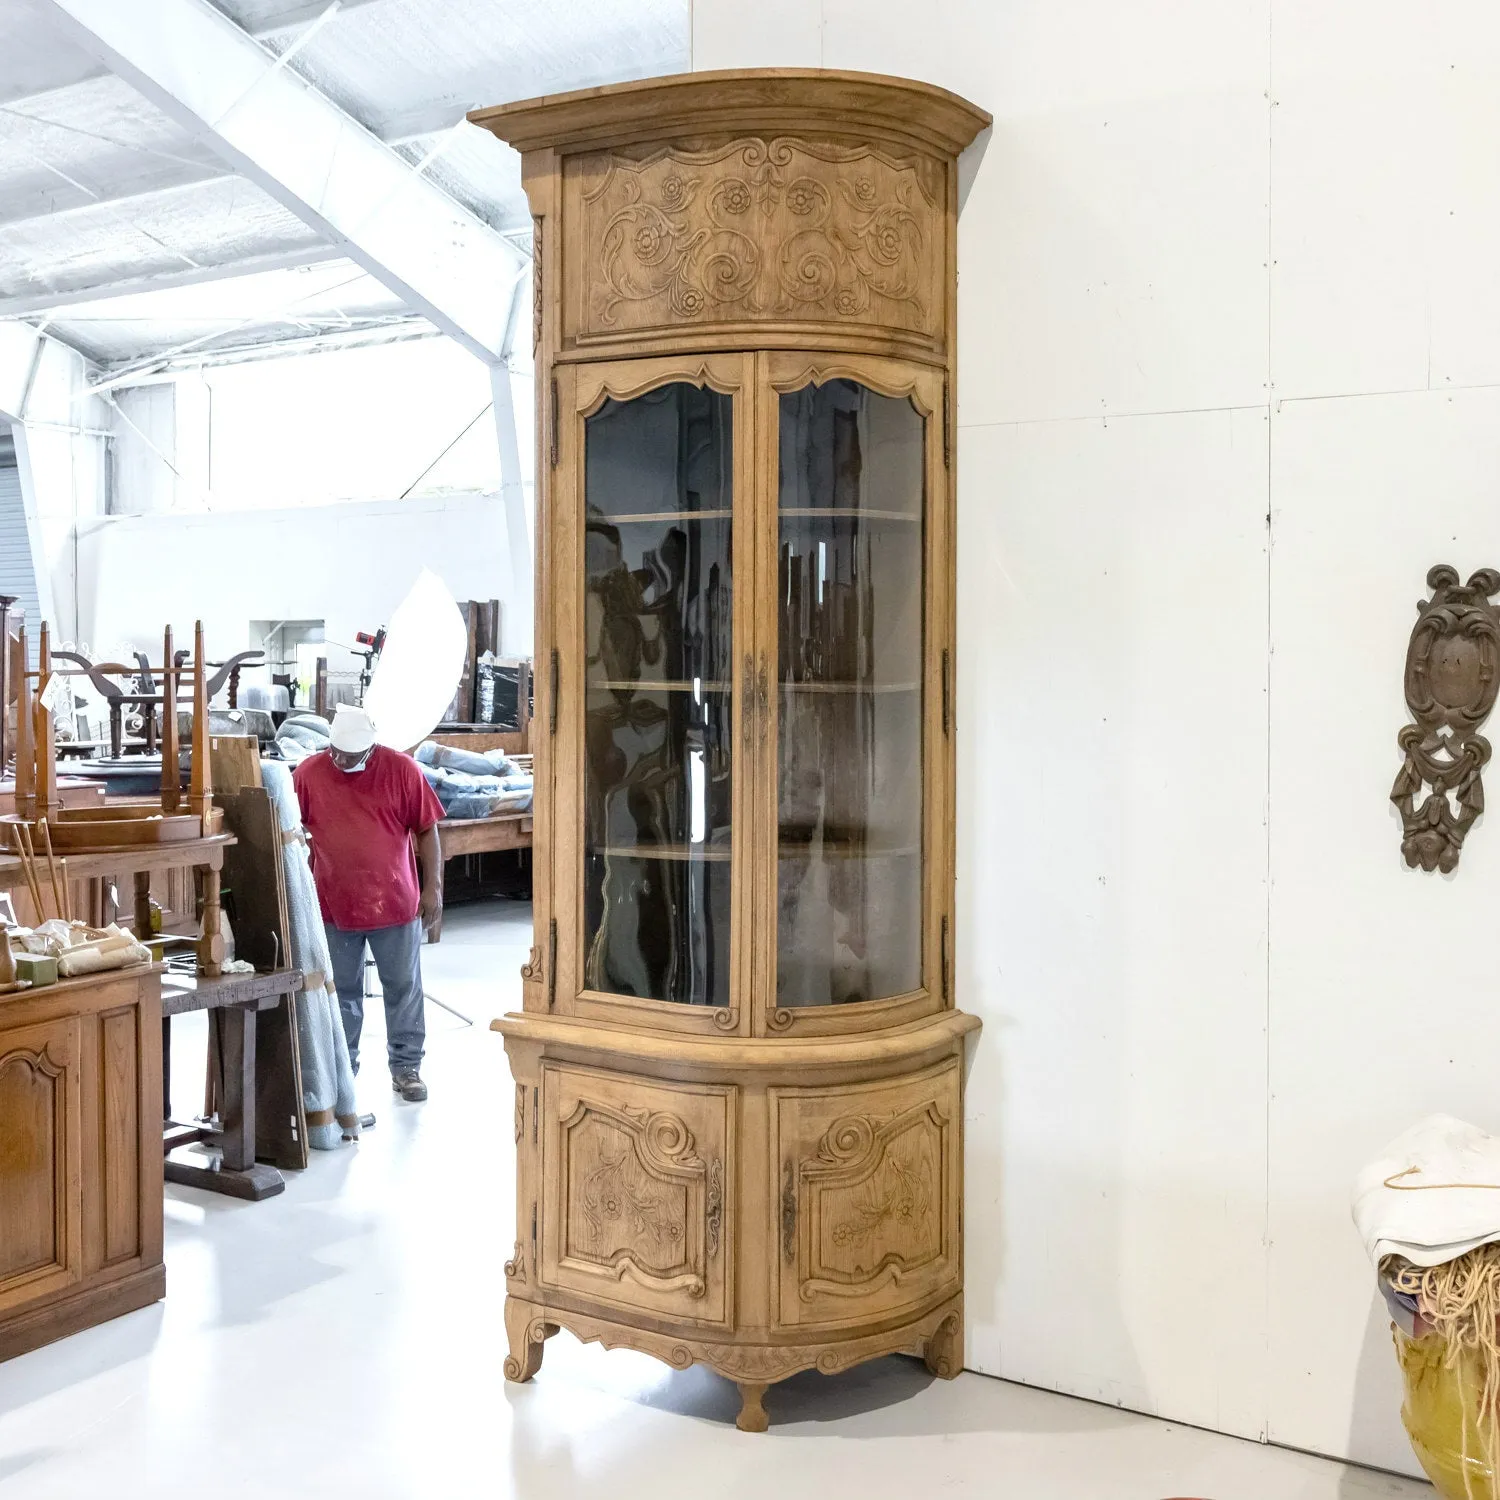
397,952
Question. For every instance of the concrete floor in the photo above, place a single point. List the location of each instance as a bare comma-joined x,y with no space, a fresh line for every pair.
345,1339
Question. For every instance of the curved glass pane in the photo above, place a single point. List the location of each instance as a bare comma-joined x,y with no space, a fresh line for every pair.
658,709
849,597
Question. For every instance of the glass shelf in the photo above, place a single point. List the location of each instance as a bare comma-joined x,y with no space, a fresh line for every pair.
650,517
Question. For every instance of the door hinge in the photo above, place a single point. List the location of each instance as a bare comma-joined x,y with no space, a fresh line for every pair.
552,685
947,428
947,689
789,1215
747,704
944,957
551,963
552,450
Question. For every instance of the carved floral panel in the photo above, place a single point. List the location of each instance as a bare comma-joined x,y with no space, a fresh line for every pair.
772,230
637,1202
873,1197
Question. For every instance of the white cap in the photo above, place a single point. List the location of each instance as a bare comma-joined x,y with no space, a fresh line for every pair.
353,730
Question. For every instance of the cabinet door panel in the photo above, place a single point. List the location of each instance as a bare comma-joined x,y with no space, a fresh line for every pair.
870,1193
651,835
856,545
41,1192
120,1133
635,1172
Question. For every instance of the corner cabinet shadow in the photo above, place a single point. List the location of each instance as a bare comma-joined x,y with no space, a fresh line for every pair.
738,1061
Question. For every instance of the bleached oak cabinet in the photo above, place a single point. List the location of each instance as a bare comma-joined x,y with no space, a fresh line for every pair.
739,1066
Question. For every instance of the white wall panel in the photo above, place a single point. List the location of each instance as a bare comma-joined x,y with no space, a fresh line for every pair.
1382,1009
1112,622
1385,223
349,565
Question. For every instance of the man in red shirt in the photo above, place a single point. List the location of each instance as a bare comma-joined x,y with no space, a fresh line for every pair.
365,808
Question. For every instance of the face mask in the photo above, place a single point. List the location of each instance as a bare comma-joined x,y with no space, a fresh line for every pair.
359,765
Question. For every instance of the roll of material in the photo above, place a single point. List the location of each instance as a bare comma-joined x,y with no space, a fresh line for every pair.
97,960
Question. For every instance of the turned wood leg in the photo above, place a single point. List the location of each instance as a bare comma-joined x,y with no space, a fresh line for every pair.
752,1417
143,906
526,1333
944,1353
211,944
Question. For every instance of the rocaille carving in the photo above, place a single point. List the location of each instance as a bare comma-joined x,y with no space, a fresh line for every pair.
1452,674
874,1194
638,1186
780,228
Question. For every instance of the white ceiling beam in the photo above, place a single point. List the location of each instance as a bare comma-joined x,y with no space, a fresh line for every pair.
275,129
20,356
289,18
285,260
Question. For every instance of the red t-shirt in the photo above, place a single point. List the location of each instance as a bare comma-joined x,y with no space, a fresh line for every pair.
362,824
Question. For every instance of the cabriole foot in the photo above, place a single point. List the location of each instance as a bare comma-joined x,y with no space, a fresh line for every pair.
752,1417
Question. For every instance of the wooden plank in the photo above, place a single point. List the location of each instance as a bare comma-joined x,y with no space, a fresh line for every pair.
235,761
262,936
484,835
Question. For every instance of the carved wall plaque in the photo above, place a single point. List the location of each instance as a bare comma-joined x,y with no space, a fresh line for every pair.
784,229
1451,682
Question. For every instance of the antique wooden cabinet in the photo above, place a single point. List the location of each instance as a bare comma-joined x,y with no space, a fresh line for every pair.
80,1155
739,1066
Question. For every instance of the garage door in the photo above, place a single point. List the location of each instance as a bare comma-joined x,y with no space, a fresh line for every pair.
17,568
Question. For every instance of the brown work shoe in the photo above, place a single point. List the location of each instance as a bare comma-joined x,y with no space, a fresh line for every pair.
408,1083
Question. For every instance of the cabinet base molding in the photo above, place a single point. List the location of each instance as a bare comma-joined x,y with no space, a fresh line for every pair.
936,1338
83,1309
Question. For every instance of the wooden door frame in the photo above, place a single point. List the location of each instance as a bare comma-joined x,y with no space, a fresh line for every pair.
582,389
927,388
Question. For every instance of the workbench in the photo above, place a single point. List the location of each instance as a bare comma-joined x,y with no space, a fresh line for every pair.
237,999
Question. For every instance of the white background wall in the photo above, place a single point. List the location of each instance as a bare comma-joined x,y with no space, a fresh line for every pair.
1230,385
348,565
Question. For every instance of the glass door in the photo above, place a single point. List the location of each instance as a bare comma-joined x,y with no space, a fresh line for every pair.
653,567
860,511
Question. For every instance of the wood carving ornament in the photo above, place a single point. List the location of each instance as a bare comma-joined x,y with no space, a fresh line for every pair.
1451,682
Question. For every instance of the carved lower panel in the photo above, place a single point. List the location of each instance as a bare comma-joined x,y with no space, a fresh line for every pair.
635,1189
874,1199
640,1193
869,1198
745,1362
781,228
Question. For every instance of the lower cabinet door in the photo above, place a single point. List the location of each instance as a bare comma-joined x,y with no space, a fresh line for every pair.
636,1180
870,1184
41,1161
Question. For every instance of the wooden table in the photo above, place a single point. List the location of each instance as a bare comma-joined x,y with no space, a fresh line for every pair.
91,875
237,998
80,1172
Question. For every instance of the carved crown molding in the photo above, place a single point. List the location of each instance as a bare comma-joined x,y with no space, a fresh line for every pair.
777,228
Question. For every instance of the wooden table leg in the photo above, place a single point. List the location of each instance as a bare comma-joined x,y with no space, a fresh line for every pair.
211,944
143,905
235,1171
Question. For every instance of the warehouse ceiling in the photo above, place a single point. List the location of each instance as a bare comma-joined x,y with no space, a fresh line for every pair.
125,233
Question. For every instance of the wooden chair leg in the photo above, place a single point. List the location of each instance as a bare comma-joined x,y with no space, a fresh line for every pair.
752,1417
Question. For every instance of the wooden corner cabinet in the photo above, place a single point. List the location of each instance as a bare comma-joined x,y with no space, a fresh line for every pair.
739,1066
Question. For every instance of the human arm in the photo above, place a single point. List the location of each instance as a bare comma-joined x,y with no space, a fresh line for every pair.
430,862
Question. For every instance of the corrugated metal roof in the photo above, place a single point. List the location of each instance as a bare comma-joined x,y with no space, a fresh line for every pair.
98,189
